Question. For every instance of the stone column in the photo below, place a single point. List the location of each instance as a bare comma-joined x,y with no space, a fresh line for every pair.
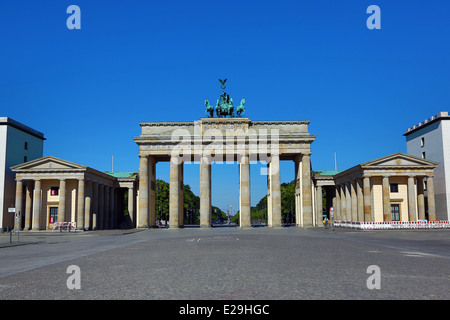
62,201
319,206
360,200
87,207
420,198
338,213
368,215
19,198
298,199
101,206
334,203
343,202
143,212
131,204
181,197
112,208
431,201
174,194
152,191
244,192
36,224
348,199
306,191
80,205
269,197
106,212
352,185
95,199
28,206
205,192
412,199
386,199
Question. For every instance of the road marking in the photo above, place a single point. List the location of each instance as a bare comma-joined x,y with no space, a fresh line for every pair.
416,254
218,238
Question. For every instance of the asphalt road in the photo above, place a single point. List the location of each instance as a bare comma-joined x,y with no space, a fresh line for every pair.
227,264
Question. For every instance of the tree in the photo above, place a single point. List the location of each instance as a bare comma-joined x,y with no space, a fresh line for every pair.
287,200
287,203
191,204
162,200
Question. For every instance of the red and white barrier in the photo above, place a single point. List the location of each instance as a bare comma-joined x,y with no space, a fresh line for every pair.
69,226
393,225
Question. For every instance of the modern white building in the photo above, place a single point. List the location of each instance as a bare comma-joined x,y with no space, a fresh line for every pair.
18,144
430,140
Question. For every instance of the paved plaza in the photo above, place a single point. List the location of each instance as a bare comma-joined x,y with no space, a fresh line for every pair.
226,264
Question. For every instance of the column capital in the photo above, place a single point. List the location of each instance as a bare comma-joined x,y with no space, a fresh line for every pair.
176,159
299,157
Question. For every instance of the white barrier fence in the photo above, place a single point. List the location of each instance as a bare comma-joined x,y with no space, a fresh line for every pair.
68,226
391,225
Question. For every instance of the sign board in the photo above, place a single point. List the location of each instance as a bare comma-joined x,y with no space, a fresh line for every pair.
332,213
12,210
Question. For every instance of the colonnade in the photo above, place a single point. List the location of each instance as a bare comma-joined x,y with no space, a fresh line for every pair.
146,216
94,208
354,199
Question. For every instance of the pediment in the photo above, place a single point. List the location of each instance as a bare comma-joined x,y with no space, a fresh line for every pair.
400,160
47,163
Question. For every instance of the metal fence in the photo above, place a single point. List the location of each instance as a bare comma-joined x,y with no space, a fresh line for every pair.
422,224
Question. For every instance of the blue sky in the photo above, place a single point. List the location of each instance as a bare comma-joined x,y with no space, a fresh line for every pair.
137,61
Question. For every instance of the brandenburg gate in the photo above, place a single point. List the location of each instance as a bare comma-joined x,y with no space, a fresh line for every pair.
224,140
228,138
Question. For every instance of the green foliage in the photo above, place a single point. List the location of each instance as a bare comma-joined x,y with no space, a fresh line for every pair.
218,214
162,200
191,204
287,199
287,204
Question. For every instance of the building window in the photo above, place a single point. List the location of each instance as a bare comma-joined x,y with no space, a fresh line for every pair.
394,187
423,155
54,191
395,212
53,215
26,145
422,142
25,159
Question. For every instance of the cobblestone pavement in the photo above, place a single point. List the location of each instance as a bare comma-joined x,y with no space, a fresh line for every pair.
227,264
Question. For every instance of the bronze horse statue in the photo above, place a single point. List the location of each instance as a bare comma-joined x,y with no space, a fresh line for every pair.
209,109
240,110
